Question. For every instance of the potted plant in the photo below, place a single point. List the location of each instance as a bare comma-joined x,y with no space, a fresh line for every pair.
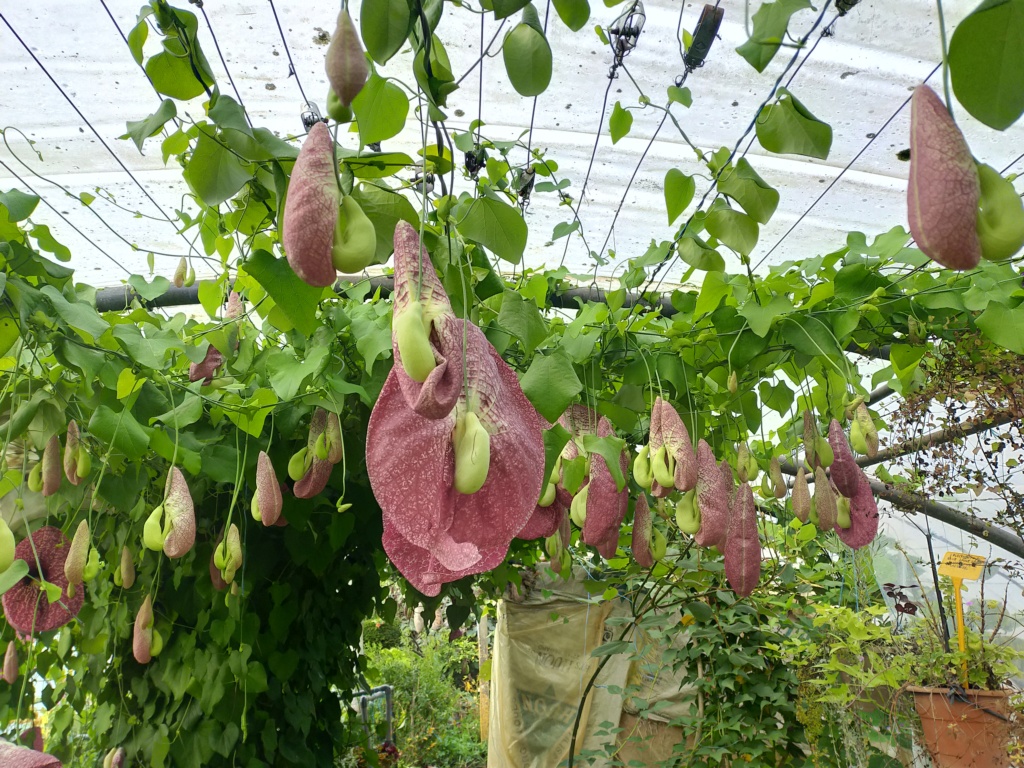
855,665
963,697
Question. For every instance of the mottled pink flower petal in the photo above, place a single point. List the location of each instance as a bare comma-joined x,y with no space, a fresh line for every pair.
416,280
606,504
863,517
845,472
11,663
234,308
180,514
205,370
25,605
712,499
543,522
423,570
315,480
12,756
268,491
410,460
943,189
311,209
668,429
743,547
642,527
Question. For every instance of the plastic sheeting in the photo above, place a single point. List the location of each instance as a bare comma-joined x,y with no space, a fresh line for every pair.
541,664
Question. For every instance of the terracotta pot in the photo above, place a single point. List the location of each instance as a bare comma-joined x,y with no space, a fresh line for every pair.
961,734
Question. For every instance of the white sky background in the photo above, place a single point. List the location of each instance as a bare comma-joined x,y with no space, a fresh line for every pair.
855,81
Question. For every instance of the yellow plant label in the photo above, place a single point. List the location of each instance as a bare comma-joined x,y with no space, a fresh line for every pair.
960,565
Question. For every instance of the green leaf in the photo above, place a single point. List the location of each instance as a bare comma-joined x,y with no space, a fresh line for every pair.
522,319
733,229
14,573
786,127
748,189
172,74
49,243
680,95
555,439
1004,326
573,13
287,373
385,26
770,24
527,58
495,225
610,449
214,173
505,8
296,299
140,130
679,189
380,110
253,412
761,316
810,336
174,144
698,255
228,113
700,611
377,165
187,412
620,122
905,360
385,208
119,430
986,59
137,38
149,291
77,315
211,295
551,384
18,204
712,291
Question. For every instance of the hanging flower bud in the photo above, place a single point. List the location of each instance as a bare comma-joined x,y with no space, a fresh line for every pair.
845,472
345,61
11,664
227,555
801,497
669,432
234,309
268,500
71,447
51,466
778,483
142,639
868,429
824,501
127,569
180,273
78,554
179,516
317,470
943,189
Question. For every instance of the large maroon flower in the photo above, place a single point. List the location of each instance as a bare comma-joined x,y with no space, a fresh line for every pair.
742,546
468,412
642,529
713,499
863,517
943,189
606,504
25,604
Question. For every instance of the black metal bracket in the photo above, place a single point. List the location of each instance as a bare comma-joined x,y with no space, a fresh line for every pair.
311,116
704,36
625,32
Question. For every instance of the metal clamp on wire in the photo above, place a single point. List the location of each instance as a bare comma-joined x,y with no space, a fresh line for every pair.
311,116
704,36
845,6
625,32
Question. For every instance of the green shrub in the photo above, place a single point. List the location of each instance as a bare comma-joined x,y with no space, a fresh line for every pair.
437,719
